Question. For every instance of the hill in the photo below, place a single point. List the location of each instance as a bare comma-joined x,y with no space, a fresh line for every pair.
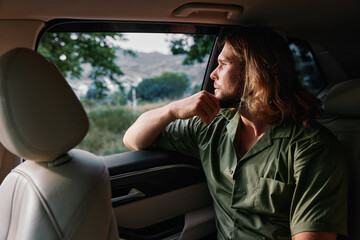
144,65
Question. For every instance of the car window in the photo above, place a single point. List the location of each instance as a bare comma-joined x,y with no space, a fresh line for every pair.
118,76
309,73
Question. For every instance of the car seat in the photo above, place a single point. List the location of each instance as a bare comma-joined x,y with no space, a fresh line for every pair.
57,193
343,103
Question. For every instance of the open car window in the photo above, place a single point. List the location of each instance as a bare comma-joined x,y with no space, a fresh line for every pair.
119,75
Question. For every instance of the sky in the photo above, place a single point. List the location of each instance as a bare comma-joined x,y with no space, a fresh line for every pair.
145,42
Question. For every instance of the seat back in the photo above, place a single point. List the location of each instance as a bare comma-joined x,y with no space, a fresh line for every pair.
57,193
343,103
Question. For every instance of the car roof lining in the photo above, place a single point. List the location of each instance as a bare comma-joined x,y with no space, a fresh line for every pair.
297,16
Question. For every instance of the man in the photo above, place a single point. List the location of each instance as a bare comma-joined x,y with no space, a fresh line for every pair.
272,171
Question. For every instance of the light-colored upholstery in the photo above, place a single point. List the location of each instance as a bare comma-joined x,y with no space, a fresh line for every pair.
343,102
58,193
8,161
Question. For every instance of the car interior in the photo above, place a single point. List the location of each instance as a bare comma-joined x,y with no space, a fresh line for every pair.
49,189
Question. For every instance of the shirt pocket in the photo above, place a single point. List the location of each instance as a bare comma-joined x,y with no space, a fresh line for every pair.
273,197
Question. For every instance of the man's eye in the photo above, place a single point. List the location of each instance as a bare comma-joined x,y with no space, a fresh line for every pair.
222,65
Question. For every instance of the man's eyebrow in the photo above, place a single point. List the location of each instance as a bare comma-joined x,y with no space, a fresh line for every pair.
223,59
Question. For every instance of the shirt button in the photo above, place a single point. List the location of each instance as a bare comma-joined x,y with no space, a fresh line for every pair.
231,171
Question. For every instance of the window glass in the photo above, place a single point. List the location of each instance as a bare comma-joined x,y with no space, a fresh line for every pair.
306,67
118,76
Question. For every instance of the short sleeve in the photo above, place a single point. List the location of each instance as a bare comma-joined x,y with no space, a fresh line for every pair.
180,136
320,198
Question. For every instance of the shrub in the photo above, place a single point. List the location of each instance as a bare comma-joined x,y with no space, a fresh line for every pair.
107,127
108,124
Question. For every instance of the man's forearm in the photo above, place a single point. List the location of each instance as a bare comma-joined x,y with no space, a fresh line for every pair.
315,236
147,127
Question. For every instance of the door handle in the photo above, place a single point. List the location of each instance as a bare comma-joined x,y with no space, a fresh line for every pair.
134,194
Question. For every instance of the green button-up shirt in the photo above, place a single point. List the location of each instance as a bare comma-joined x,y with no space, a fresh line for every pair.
292,180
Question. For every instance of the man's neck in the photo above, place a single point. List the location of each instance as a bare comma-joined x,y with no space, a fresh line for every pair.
251,124
250,130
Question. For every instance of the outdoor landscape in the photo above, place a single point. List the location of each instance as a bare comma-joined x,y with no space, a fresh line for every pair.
108,124
110,117
116,85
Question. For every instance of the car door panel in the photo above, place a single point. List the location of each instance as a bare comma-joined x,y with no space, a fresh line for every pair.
162,207
158,194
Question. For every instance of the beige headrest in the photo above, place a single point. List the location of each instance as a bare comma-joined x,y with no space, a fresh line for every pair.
344,99
40,116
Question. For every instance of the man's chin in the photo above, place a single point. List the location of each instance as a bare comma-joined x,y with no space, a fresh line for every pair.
227,102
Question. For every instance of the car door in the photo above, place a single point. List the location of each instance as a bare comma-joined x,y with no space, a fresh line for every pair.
159,194
156,194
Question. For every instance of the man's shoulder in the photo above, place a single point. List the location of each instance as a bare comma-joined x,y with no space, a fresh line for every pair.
313,132
315,141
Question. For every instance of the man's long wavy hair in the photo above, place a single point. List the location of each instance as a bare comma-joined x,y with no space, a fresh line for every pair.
271,88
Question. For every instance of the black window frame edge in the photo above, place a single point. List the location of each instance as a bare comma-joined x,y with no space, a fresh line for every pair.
68,25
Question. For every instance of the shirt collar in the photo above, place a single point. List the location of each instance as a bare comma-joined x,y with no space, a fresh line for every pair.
229,113
275,132
284,130
233,116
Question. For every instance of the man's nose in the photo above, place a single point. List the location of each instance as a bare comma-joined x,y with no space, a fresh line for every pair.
213,75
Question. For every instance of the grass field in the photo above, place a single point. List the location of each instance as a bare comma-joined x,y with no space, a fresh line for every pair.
108,124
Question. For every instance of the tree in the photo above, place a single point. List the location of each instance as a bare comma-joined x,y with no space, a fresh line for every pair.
118,98
195,47
166,86
70,50
196,89
91,94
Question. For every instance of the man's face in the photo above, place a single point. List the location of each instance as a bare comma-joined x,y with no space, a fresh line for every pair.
226,77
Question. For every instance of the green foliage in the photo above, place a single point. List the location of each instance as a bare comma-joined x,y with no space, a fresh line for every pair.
91,93
97,91
108,124
166,86
111,118
70,50
118,98
196,89
195,47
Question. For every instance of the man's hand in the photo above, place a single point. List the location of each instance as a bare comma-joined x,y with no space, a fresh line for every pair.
203,104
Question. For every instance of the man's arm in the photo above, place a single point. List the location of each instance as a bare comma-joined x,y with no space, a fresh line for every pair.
315,236
148,126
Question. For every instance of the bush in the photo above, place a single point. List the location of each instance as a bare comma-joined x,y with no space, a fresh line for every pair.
108,124
107,127
166,86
